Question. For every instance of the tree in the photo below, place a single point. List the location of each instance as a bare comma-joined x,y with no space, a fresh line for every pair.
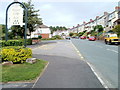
2,31
33,20
71,34
98,28
117,30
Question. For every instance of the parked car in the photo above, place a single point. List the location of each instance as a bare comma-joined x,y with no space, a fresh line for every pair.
111,38
92,38
83,37
68,38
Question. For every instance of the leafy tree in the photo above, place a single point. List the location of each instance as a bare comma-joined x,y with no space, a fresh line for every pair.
71,34
98,28
60,28
80,34
117,30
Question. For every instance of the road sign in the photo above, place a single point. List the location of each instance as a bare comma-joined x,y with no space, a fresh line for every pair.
16,15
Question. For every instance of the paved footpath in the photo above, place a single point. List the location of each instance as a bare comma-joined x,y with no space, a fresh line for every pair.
65,69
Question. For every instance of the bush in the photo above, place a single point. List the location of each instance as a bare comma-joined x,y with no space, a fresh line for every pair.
12,43
29,41
15,54
71,34
40,37
4,43
56,37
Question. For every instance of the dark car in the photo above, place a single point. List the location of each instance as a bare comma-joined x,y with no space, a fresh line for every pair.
68,38
92,38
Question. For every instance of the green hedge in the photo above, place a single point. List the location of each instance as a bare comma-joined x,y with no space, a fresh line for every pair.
4,43
15,54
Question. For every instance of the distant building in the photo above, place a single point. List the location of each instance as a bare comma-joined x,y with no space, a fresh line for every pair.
42,30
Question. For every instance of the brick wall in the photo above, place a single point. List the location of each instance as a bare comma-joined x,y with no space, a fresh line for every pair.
45,35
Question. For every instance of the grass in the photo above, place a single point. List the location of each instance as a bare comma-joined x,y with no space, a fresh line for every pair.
22,72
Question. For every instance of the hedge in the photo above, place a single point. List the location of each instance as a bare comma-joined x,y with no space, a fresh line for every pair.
15,54
14,42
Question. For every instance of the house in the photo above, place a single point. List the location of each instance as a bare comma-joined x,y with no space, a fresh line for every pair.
113,19
42,30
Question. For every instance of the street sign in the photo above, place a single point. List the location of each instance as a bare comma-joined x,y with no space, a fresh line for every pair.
16,18
16,15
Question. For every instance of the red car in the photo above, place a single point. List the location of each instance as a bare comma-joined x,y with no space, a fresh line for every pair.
92,38
83,37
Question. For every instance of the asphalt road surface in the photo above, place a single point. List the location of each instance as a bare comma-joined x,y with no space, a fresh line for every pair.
65,69
104,59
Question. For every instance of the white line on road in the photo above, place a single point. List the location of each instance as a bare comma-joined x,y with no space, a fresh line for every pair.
112,50
99,78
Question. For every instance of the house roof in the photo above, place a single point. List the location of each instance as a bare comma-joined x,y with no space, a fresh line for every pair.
42,26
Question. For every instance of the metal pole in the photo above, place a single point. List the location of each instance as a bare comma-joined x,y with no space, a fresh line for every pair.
25,27
6,31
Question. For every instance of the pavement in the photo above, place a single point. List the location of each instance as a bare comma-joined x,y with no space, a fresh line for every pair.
103,58
65,69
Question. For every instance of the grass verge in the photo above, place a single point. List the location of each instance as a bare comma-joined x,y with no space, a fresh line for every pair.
22,72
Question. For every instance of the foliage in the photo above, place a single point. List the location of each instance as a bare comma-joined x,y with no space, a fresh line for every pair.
2,31
40,37
11,43
71,34
4,43
117,30
16,54
22,72
57,37
29,41
80,34
59,28
98,28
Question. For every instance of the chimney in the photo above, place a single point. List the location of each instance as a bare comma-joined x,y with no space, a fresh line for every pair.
78,25
91,20
97,17
117,8
84,22
105,13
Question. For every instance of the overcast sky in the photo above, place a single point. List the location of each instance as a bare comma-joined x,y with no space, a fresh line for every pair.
67,13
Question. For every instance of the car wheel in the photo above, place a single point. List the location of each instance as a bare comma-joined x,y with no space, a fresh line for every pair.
105,42
109,42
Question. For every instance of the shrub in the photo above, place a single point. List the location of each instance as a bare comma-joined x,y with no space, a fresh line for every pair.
12,43
40,37
16,54
4,43
29,41
71,34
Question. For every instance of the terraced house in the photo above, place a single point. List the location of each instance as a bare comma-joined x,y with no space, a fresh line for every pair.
107,21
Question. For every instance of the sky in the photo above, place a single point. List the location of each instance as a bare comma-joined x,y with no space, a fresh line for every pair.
65,13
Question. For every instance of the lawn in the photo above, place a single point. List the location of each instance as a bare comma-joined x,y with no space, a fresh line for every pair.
22,72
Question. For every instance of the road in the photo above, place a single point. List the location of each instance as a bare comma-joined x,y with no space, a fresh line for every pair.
102,57
65,69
